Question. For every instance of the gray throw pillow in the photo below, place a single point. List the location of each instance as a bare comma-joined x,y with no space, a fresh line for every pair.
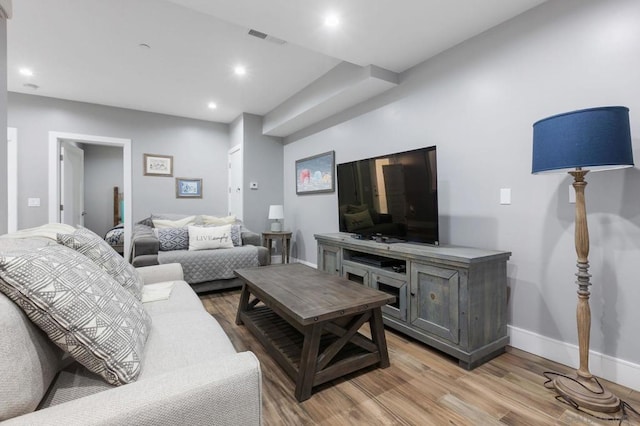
80,307
173,238
95,248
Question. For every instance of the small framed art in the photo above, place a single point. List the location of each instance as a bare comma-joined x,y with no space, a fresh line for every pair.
316,174
158,165
188,188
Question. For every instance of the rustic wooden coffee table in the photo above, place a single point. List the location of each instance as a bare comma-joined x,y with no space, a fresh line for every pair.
309,320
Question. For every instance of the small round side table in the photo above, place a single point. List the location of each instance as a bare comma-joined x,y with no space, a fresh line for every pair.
285,236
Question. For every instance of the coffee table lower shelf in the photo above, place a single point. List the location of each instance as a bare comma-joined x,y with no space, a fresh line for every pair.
285,344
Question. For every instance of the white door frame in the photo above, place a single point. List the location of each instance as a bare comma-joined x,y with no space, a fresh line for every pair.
12,179
54,175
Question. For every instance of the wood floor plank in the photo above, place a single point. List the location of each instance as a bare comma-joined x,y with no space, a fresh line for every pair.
421,387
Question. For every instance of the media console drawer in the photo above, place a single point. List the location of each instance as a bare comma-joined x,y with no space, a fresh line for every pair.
451,298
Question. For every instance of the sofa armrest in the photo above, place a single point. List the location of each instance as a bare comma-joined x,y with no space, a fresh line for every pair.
224,391
251,238
161,273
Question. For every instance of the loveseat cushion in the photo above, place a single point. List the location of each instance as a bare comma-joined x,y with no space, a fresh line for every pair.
80,307
102,254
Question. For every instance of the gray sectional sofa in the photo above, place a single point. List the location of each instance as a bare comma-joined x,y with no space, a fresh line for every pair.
190,372
204,270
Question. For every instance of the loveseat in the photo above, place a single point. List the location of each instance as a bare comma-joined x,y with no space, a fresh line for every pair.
165,238
189,371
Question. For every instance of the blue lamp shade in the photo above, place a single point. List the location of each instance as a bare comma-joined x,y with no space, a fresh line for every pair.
594,139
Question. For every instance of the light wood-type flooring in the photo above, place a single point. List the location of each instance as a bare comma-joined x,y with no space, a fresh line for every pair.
422,387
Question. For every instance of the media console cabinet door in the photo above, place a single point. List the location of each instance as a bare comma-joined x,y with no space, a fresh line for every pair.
434,300
329,259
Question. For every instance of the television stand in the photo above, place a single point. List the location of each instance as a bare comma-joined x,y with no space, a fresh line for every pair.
451,298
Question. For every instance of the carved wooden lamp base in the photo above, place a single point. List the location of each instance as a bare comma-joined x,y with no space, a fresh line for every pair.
586,393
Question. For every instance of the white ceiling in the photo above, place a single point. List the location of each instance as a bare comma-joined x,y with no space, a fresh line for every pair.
89,50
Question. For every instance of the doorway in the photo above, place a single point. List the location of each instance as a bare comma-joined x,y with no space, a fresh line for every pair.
56,140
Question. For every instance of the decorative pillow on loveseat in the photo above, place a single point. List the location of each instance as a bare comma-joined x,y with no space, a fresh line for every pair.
80,307
204,238
173,238
95,248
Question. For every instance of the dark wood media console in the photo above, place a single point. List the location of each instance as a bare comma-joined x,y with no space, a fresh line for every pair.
451,298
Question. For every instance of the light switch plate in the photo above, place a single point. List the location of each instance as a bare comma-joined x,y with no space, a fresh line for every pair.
505,196
33,202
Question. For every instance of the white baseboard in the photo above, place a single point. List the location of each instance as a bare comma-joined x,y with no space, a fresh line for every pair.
615,370
304,262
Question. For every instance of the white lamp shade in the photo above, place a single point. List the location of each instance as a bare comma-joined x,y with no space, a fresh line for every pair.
276,212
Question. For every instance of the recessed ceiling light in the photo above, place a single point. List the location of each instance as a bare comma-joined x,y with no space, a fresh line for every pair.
332,20
240,70
26,72
212,105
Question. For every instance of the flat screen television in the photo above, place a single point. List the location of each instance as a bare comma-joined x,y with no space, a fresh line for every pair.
391,197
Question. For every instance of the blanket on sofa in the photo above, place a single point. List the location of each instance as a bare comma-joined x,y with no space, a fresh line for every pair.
208,265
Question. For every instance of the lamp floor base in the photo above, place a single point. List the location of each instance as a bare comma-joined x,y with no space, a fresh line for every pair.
586,393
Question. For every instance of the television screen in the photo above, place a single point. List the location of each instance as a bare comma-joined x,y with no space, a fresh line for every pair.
393,196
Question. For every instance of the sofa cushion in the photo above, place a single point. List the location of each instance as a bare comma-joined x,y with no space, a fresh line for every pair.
182,298
180,339
173,238
205,238
29,361
102,254
80,307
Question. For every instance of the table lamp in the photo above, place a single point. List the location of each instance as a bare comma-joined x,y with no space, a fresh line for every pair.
276,212
576,142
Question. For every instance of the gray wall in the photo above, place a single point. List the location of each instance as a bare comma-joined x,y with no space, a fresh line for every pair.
3,125
477,102
262,164
102,171
199,150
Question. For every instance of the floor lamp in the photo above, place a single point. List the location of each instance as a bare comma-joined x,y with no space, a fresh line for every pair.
576,142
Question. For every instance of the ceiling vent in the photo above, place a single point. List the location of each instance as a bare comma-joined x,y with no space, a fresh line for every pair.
267,37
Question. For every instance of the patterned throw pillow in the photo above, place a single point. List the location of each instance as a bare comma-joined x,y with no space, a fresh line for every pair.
80,307
236,235
201,238
173,238
96,249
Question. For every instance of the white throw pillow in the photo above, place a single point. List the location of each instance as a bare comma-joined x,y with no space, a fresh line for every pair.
201,238
214,220
179,223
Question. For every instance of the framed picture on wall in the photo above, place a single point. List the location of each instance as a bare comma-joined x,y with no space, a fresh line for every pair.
188,188
158,165
316,174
